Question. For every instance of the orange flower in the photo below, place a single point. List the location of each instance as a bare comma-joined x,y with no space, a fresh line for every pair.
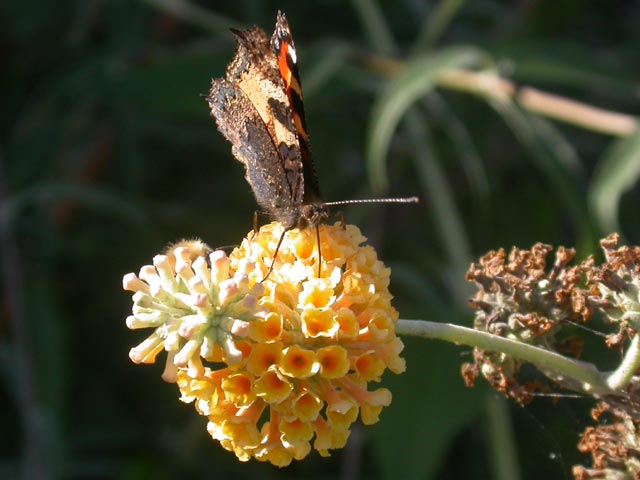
334,361
281,364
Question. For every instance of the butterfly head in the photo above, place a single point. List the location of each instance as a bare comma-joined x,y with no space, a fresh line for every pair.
312,214
304,216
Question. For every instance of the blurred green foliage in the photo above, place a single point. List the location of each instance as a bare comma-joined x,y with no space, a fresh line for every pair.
108,153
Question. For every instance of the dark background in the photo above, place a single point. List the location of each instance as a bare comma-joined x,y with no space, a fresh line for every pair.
108,153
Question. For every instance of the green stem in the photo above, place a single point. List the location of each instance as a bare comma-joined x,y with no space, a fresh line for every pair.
620,378
592,380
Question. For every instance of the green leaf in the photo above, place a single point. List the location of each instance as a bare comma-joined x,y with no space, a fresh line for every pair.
502,438
438,192
375,26
616,173
573,71
436,23
191,12
331,60
550,152
418,78
462,143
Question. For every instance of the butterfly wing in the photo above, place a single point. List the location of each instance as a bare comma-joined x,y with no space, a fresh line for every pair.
287,59
258,108
254,70
252,144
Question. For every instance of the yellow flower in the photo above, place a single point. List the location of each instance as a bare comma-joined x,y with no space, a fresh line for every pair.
278,365
334,361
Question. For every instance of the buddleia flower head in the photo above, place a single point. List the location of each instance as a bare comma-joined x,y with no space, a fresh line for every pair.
279,365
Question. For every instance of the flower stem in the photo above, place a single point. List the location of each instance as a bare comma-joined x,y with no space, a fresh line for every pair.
620,377
591,379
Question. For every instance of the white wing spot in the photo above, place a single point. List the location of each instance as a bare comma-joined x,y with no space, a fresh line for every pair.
292,54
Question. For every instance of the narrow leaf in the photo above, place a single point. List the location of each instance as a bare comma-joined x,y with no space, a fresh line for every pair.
617,172
418,78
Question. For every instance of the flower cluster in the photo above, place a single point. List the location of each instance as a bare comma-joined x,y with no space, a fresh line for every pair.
279,365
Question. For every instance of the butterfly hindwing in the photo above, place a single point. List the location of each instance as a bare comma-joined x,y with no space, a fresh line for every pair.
252,144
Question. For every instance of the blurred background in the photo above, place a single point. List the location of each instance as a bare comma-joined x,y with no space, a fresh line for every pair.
515,122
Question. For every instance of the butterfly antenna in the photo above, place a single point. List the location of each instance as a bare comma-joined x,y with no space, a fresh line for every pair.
374,200
275,255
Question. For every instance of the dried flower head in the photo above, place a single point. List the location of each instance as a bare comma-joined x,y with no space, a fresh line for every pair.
617,283
614,445
276,365
520,298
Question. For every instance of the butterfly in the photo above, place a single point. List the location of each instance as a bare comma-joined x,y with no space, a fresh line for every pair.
258,108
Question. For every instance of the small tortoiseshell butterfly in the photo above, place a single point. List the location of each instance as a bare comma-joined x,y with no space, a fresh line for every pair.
258,108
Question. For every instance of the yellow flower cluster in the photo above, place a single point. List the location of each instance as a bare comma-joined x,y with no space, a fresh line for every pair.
278,365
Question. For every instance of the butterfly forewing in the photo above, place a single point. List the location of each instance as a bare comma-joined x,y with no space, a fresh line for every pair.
284,49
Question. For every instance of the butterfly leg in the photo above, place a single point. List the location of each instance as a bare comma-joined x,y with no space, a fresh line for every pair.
275,255
319,251
255,221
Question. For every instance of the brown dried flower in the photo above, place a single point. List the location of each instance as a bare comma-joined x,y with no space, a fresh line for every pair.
520,298
614,446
